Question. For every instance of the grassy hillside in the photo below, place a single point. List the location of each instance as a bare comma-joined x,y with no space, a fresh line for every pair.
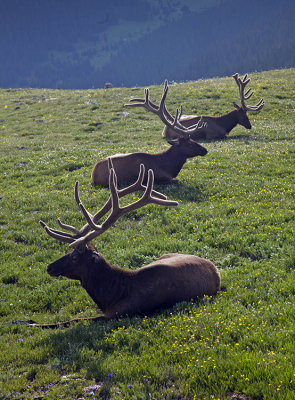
236,207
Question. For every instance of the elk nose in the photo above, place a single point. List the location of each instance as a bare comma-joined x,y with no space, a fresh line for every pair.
50,270
203,151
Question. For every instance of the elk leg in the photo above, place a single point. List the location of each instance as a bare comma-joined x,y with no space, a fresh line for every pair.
64,324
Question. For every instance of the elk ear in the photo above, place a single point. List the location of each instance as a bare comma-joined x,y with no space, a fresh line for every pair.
90,246
236,105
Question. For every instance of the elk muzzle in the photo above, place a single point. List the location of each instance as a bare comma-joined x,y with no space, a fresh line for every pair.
53,269
62,267
203,151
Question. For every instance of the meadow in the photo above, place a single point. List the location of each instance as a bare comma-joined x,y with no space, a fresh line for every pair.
236,208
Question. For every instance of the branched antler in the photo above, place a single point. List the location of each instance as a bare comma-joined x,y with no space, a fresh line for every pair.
242,82
164,115
79,238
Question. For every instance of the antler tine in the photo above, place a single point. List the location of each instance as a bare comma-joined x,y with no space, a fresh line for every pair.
168,119
257,107
114,191
81,237
174,122
148,197
166,112
245,79
136,186
118,211
67,227
110,167
242,82
162,112
70,227
247,95
199,125
180,112
76,193
148,105
58,235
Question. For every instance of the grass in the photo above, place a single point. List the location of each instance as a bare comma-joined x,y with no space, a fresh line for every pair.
236,207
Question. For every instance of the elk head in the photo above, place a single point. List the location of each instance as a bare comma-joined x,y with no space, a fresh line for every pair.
242,110
183,133
189,147
73,264
83,254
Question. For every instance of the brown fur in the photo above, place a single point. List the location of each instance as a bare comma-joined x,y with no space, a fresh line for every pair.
170,279
217,127
166,165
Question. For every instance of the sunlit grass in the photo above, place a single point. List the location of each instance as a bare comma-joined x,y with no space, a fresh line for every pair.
236,207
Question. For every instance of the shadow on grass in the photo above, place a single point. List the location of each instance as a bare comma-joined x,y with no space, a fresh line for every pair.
254,138
174,190
184,191
74,346
84,348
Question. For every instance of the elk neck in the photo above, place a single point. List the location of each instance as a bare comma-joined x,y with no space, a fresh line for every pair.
172,160
105,283
229,120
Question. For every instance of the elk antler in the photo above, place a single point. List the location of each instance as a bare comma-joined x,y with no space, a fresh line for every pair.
81,237
136,186
242,82
164,115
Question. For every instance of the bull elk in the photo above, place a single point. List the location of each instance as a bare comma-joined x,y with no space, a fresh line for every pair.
218,127
167,164
170,279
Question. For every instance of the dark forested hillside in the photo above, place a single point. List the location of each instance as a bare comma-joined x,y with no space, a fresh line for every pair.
74,44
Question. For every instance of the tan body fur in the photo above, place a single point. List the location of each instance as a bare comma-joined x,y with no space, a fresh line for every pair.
217,127
170,279
166,165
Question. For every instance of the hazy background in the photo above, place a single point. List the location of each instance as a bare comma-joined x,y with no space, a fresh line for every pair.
86,43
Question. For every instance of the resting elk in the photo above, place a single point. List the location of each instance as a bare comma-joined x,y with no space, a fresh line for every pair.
170,279
167,164
218,127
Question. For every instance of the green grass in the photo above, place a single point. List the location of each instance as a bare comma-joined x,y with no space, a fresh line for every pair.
236,207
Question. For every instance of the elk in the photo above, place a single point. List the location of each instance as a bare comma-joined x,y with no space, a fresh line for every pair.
218,127
116,291
165,165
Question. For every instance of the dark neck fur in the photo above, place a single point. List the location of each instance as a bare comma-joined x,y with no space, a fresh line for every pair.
105,283
176,156
228,120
